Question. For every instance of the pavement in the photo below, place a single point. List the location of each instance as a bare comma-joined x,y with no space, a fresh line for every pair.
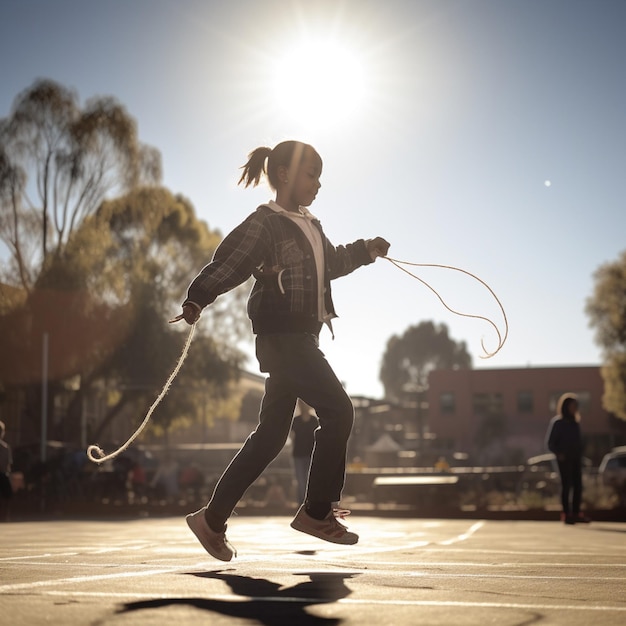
402,572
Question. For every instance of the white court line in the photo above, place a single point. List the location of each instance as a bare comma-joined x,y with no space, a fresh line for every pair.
169,570
463,536
79,551
491,605
408,568
357,601
91,565
84,579
424,573
348,563
615,553
517,565
354,551
378,549
38,556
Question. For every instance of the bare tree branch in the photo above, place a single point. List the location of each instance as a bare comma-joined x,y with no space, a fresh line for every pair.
71,160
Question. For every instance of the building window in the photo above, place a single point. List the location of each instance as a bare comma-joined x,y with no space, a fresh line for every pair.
446,402
488,403
525,401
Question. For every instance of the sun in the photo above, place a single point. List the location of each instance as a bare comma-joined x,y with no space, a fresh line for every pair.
319,84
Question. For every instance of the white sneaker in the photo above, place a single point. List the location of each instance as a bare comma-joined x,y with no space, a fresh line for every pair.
328,529
214,543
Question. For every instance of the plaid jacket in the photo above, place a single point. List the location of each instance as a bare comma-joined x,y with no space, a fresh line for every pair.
273,249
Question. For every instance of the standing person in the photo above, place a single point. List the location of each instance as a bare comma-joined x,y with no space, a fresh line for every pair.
565,441
303,440
138,482
6,490
165,480
284,247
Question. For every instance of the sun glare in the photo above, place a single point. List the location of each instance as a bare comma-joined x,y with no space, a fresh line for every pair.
319,84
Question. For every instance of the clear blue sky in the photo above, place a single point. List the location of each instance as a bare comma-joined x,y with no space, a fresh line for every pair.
487,134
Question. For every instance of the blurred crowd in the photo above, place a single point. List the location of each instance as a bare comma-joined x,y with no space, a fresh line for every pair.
135,476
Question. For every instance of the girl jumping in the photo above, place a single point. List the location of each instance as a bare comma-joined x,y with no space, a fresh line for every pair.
284,247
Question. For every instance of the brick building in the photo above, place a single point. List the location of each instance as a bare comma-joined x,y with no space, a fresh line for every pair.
501,415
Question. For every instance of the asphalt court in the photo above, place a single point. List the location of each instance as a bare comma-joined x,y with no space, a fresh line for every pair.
402,572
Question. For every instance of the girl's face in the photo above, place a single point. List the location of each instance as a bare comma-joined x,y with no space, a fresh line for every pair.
305,182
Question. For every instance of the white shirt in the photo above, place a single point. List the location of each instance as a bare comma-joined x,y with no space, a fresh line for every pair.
304,219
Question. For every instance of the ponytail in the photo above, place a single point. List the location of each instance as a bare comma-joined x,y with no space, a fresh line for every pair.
255,166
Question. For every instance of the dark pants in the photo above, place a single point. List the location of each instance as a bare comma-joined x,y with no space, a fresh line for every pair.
297,368
6,493
571,481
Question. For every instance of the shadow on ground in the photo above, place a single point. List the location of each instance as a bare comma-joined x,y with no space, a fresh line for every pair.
263,601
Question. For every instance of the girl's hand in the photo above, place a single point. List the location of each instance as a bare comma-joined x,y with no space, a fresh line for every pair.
377,247
191,314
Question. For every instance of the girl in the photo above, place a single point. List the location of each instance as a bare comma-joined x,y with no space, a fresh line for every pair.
284,247
565,441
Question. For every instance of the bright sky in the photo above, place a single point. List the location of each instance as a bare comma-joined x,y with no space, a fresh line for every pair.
484,134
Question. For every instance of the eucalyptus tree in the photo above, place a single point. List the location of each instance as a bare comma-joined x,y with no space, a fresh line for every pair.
58,162
606,309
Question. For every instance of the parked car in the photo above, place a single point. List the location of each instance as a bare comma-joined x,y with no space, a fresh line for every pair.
612,470
541,473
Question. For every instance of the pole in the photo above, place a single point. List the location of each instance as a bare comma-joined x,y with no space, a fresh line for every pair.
83,423
44,396
44,412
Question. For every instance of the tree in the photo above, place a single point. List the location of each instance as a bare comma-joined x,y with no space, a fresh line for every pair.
99,260
150,246
409,359
105,299
57,164
606,308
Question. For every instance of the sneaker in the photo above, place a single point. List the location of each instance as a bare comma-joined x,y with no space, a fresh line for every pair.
581,518
328,529
214,543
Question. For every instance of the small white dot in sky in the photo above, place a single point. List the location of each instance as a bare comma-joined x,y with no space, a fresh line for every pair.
547,183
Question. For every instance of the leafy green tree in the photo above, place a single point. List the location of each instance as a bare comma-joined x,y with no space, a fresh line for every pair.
409,359
100,258
105,305
132,261
58,162
606,309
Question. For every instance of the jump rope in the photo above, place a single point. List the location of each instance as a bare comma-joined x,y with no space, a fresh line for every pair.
97,455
